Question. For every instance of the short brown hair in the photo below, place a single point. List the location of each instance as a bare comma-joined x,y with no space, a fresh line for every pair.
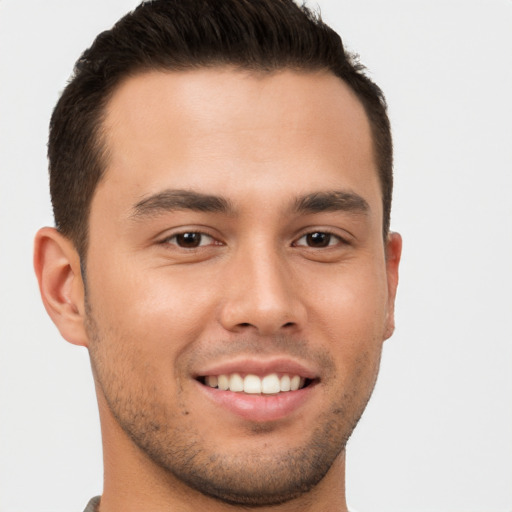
263,35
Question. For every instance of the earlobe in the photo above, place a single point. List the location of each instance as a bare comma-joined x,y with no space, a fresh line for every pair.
57,267
393,255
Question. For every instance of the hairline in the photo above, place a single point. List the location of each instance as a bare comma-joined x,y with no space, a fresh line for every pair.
100,135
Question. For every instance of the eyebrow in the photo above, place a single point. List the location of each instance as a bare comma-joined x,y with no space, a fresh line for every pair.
331,201
172,200
316,202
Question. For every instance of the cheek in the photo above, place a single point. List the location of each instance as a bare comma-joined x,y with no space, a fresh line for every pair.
152,310
350,315
352,305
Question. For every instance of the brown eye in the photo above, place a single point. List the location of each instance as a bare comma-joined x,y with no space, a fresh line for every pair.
318,240
190,240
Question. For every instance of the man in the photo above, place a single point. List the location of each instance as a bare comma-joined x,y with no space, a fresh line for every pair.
221,181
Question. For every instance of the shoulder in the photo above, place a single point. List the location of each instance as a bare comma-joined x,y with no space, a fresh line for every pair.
92,506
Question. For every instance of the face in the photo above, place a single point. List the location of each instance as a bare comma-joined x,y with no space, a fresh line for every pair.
238,290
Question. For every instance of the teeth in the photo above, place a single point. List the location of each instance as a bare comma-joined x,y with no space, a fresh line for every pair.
252,384
212,381
223,382
285,383
270,384
236,383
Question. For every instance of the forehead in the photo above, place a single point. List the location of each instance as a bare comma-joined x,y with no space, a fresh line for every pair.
225,130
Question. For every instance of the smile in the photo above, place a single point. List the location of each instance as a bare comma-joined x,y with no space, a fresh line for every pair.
258,390
270,384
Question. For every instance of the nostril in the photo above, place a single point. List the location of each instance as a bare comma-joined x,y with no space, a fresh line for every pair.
288,324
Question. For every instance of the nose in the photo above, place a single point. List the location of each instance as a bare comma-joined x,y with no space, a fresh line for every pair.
262,295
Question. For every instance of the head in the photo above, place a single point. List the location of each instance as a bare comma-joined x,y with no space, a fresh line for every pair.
172,35
221,171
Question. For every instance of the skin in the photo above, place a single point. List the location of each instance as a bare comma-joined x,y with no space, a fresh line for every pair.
154,315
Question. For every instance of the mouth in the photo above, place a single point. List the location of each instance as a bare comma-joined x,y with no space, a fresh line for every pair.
252,384
258,390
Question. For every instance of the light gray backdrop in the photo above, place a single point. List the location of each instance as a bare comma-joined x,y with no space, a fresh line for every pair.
437,436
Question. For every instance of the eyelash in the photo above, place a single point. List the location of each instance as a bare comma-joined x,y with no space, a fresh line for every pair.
330,235
167,241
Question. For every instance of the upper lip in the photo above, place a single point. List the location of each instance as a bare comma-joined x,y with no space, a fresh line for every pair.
259,367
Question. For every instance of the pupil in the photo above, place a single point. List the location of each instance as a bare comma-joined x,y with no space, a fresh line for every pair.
318,239
189,240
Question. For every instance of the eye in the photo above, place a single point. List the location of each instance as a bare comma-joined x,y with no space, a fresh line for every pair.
190,240
318,240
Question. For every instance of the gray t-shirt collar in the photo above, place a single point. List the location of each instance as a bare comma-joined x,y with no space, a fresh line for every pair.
92,506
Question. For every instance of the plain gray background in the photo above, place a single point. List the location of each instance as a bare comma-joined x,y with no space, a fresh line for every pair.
437,436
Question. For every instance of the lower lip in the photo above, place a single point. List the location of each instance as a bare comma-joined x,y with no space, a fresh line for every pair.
260,408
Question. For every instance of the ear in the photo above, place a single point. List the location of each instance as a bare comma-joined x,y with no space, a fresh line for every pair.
393,254
57,266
